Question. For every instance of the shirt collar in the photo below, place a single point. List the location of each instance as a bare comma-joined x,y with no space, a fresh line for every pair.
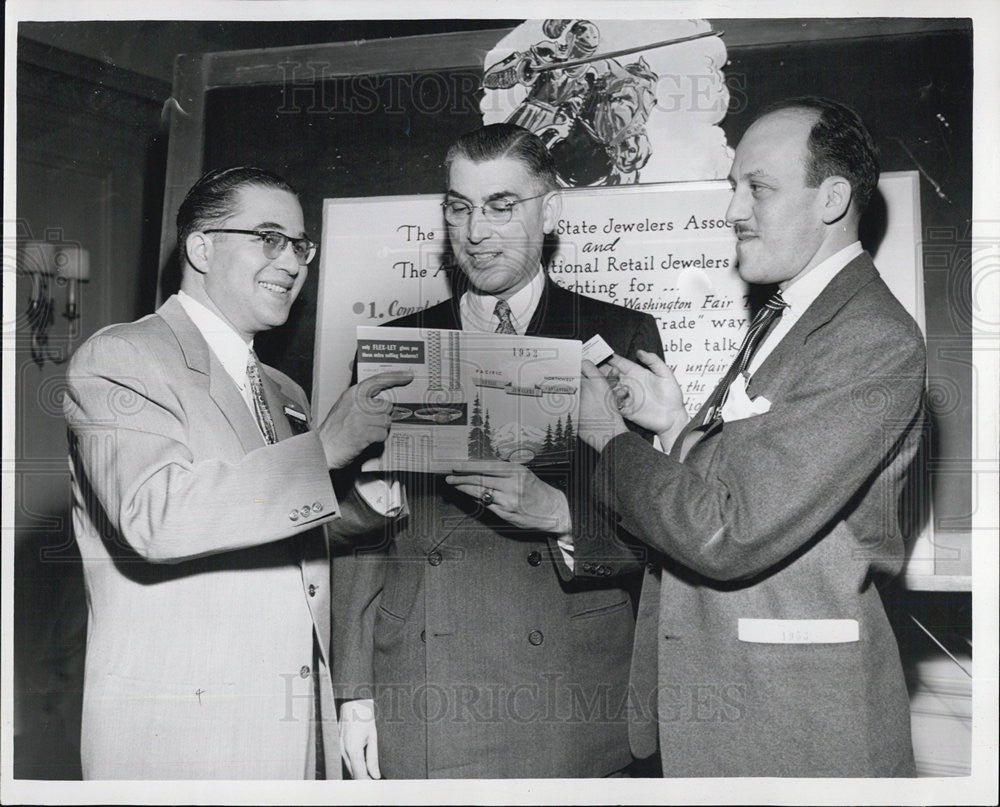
800,293
226,344
477,308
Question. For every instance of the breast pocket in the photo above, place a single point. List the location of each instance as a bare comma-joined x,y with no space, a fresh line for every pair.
597,610
603,631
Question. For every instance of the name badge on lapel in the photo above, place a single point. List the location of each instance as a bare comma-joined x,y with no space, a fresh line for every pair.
296,419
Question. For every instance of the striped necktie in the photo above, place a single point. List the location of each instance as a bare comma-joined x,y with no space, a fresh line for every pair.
260,409
755,335
502,312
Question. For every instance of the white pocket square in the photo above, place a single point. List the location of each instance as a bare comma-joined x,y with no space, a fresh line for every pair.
739,405
797,631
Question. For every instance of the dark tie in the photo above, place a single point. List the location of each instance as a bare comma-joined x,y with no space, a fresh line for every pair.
755,335
260,409
502,312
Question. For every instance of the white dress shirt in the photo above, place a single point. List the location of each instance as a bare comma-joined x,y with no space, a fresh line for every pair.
478,308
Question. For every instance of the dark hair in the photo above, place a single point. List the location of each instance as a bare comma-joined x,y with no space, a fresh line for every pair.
213,197
505,140
839,145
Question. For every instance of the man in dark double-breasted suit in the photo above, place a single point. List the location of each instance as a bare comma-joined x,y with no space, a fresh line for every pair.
492,634
762,643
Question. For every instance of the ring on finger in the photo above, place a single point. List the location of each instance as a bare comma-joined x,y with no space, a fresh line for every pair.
486,497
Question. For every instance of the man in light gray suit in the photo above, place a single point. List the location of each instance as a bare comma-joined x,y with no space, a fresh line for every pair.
198,487
762,646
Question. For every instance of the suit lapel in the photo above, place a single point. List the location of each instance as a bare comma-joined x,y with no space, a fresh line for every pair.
206,369
691,435
447,315
451,316
553,315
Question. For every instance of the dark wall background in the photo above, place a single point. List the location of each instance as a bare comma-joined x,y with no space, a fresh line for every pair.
90,166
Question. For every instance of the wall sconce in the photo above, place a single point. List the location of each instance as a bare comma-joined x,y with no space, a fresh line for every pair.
66,264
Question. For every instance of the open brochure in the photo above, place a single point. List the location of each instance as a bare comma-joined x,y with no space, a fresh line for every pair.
476,398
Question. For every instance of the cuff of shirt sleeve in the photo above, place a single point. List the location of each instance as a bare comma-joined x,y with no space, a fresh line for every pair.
565,544
384,496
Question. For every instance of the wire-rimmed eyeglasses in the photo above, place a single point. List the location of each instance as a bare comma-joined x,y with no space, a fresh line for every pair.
496,211
274,243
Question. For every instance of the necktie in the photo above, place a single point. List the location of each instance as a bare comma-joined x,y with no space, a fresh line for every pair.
754,336
260,409
502,312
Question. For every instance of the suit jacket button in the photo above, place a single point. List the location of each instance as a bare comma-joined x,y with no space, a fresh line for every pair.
423,636
535,638
305,511
317,507
651,566
588,566
294,515
434,558
304,672
534,558
312,590
607,571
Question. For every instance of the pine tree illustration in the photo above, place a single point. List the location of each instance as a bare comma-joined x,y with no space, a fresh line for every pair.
476,431
569,435
477,419
489,452
547,443
557,438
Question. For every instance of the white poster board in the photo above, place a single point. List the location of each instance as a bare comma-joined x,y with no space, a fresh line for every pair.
661,248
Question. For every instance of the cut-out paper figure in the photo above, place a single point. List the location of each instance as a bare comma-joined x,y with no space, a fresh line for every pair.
616,102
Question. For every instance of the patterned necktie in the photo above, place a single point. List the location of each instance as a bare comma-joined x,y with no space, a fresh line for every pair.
260,409
755,335
502,312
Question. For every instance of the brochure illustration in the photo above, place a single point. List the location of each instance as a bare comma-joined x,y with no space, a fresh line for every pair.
476,398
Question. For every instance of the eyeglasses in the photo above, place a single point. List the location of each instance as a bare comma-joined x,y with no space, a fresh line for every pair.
495,211
274,243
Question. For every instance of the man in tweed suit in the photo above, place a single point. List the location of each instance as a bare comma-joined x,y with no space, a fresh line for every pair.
762,641
466,633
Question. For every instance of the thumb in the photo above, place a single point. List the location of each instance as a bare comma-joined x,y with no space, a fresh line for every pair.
655,364
590,370
622,365
371,756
